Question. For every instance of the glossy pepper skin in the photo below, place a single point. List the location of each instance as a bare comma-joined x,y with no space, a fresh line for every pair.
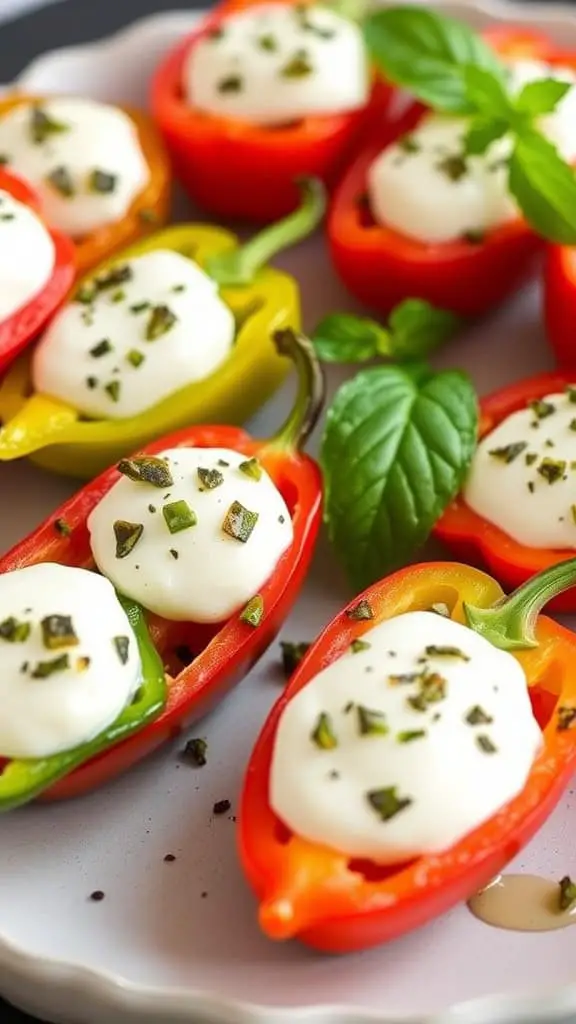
236,169
339,905
202,662
381,267
149,210
560,303
22,327
471,537
57,438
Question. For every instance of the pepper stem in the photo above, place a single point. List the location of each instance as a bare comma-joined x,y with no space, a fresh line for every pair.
510,624
239,266
309,400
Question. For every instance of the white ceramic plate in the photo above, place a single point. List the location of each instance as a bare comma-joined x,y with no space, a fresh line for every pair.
154,951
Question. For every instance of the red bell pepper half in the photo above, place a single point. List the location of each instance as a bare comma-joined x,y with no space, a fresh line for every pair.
382,267
339,905
19,329
560,303
237,169
202,661
471,537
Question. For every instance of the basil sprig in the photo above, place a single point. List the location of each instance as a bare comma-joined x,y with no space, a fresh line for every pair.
414,330
397,445
449,67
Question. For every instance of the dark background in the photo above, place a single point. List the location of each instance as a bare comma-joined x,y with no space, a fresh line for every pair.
61,24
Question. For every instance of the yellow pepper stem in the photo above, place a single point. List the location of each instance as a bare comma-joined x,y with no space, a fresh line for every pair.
309,400
40,419
239,266
510,623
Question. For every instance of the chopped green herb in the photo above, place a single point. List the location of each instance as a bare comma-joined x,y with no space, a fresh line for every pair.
101,348
253,613
410,734
122,645
44,669
82,664
404,678
113,389
573,513
114,277
387,803
571,393
541,409
566,718
140,307
61,180
486,745
215,33
147,469
42,126
91,383
135,358
474,236
432,689
292,654
102,182
267,42
13,631
179,516
477,716
210,478
61,527
302,15
552,469
195,752
222,462
231,83
85,294
530,458
371,723
531,486
175,554
58,631
549,442
454,166
160,321
509,452
7,216
251,468
4,159
572,424
408,144
323,734
118,296
239,522
299,66
152,508
360,612
359,645
127,536
433,651
567,895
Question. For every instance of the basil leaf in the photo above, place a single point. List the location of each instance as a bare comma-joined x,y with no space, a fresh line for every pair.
487,92
541,97
428,53
483,131
343,338
416,328
397,444
544,187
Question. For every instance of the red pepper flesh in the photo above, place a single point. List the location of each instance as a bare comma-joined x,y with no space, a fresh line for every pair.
381,267
560,303
339,905
235,169
225,652
472,538
19,329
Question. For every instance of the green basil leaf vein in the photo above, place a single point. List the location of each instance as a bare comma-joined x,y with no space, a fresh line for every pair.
398,442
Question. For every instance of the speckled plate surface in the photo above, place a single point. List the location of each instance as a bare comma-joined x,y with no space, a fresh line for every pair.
176,942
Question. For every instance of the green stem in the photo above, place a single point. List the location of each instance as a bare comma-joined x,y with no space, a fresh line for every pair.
239,267
511,623
309,400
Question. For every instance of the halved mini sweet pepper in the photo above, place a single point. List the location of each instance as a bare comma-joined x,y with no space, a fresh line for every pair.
471,537
560,303
468,276
147,213
202,662
263,300
237,169
339,905
23,326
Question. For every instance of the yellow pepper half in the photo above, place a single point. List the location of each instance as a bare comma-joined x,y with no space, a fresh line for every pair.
57,437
